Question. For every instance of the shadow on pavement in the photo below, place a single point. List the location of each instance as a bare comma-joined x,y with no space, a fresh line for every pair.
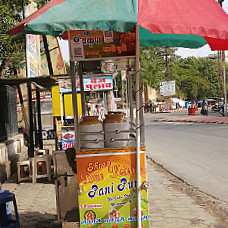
38,220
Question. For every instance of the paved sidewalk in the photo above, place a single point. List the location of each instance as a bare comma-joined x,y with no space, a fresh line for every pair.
170,206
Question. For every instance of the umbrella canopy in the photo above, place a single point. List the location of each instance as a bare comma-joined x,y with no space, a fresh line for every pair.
149,39
202,17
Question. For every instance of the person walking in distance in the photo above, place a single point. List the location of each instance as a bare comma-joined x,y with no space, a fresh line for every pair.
204,109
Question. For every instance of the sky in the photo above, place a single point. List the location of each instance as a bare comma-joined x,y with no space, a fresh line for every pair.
184,52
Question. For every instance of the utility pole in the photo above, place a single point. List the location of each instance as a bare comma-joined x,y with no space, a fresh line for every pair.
166,58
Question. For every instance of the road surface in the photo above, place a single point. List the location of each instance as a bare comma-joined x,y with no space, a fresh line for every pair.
197,153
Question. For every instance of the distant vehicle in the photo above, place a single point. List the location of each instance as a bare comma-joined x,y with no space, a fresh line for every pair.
217,107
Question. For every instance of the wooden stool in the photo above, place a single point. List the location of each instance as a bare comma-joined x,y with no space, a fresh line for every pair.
23,171
40,168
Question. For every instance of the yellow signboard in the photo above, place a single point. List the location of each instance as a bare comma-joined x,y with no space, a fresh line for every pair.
107,181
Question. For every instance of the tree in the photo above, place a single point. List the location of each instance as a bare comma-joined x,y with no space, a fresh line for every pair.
196,78
152,66
11,47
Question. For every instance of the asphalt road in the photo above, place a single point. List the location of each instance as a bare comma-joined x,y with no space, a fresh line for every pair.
197,153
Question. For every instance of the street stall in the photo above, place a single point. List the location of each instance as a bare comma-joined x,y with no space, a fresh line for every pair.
111,181
106,148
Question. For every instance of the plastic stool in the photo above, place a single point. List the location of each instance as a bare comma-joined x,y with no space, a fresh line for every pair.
40,168
5,221
21,172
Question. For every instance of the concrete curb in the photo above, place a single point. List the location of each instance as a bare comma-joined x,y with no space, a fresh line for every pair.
190,121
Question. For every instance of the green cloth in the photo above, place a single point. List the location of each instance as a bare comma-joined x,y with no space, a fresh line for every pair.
115,15
148,39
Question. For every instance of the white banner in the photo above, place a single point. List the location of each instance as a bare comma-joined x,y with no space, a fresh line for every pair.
167,88
32,46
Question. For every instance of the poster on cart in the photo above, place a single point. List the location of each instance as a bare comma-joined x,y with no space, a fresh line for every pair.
95,44
107,183
68,138
91,84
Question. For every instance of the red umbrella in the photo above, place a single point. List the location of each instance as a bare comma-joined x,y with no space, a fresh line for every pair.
202,17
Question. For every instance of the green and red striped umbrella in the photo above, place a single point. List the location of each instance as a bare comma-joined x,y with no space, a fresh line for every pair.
201,21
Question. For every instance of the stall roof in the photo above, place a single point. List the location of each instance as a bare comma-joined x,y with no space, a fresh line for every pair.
43,81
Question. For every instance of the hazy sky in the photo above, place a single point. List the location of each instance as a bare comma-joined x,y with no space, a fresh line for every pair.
184,52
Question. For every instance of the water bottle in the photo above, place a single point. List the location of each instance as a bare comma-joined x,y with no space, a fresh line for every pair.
9,210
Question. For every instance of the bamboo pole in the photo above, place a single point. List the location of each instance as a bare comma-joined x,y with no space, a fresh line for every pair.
138,78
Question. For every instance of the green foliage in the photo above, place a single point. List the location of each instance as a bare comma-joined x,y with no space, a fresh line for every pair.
152,67
40,3
196,78
11,47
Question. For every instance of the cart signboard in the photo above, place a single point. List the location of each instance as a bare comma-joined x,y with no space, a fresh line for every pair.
95,44
91,84
167,88
98,83
107,183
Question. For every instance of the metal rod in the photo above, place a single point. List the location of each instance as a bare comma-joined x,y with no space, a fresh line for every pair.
39,118
106,140
74,97
102,132
138,128
142,128
48,57
82,87
130,97
61,107
75,105
224,78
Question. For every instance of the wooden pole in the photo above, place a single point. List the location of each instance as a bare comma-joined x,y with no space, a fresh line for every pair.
48,57
39,118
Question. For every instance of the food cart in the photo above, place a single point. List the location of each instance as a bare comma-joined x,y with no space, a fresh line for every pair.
110,156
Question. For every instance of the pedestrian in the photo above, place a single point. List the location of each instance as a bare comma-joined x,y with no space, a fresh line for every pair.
204,110
150,107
